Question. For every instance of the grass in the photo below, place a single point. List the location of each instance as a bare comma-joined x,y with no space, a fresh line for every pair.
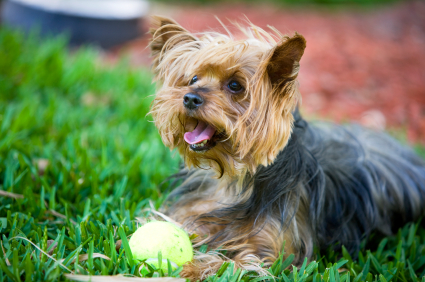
79,161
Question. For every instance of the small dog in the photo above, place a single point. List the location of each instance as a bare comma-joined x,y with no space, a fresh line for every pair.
257,174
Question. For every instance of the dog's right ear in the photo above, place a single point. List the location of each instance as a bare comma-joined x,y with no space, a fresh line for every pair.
284,63
166,34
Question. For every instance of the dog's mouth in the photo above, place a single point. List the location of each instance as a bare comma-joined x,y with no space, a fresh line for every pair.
203,137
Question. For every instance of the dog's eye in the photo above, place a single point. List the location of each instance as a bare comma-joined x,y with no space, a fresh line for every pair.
235,86
193,80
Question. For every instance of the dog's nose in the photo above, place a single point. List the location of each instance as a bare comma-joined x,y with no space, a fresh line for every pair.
192,101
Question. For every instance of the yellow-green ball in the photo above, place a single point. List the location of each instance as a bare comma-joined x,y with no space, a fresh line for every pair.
165,237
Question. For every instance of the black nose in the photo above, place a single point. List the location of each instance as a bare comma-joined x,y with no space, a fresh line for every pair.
192,101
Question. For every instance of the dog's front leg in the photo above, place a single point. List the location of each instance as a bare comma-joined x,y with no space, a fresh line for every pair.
254,251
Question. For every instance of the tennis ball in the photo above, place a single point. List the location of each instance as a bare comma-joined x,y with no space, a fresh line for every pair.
165,237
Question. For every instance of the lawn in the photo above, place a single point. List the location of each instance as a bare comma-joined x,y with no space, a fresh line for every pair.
79,161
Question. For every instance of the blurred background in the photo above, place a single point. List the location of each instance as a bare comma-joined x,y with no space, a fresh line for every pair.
365,59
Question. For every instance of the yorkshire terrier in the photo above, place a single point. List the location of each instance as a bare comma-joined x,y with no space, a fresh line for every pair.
259,179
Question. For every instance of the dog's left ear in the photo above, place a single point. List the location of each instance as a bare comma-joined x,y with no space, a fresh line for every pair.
284,60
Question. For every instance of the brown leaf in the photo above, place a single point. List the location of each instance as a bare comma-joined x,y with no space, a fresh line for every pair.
118,245
49,243
85,257
11,195
55,213
4,254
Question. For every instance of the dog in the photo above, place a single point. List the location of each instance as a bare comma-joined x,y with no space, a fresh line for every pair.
258,178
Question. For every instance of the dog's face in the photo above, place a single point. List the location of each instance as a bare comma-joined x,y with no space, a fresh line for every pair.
225,104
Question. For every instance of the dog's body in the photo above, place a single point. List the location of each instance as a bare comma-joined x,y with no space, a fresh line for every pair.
267,175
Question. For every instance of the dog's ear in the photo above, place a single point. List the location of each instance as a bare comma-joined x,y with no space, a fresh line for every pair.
283,61
167,34
273,104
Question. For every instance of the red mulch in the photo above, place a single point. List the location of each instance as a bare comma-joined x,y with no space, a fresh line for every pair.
367,66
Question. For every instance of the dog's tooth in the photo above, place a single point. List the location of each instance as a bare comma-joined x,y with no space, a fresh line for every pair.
200,144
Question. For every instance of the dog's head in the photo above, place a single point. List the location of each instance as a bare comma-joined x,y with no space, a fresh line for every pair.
225,103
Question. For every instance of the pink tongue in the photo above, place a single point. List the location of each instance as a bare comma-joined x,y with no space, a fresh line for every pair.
203,131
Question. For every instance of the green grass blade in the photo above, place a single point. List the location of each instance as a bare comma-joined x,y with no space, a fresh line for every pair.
126,246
